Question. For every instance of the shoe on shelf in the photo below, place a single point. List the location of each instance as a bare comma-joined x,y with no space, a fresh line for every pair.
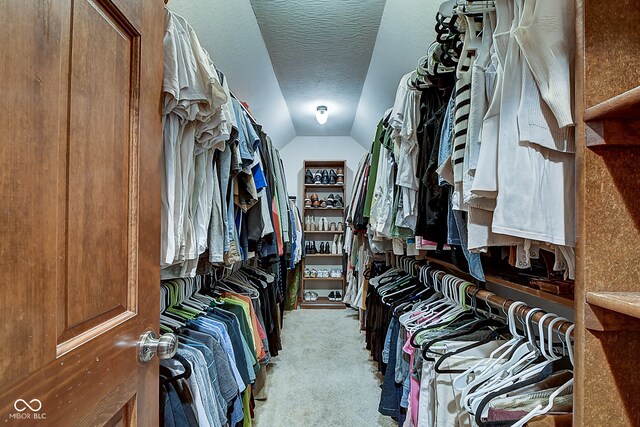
340,179
340,172
332,226
308,177
323,204
340,227
335,249
307,296
307,203
338,296
332,296
317,178
325,176
313,197
325,224
307,272
314,273
314,296
339,202
315,249
322,248
333,177
340,244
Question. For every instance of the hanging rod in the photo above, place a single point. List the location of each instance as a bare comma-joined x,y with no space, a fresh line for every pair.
411,266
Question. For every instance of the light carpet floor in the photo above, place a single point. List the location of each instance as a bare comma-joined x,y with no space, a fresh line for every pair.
323,376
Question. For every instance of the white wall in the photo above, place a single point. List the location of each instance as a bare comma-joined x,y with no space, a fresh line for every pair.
406,31
304,148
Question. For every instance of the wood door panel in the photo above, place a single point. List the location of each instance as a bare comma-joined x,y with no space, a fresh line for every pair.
80,162
33,65
72,386
102,173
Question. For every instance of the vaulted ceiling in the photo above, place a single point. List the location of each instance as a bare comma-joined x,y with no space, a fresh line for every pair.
286,57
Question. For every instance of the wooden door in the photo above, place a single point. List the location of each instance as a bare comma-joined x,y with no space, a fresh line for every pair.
80,156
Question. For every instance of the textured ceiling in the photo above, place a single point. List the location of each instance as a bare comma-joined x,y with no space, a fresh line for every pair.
406,31
228,30
320,51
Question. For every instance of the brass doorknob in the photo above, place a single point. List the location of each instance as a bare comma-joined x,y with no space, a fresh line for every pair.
150,344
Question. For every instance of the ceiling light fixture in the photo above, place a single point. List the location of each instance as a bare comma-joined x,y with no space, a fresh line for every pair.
322,114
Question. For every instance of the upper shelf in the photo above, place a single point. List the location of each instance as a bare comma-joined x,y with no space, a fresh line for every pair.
627,303
625,105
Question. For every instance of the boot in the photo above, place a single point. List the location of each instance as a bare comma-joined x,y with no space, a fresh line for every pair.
334,247
308,177
314,248
333,177
325,176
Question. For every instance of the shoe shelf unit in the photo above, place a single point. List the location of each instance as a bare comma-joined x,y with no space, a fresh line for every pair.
321,229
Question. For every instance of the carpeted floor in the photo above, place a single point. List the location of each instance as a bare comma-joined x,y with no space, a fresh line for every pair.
323,376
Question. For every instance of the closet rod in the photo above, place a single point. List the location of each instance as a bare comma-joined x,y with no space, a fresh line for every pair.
492,299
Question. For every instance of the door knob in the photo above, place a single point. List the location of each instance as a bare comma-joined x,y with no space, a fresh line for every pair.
150,344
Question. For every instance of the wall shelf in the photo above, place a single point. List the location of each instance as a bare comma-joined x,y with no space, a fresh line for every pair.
324,255
322,302
624,105
336,186
324,209
627,303
333,279
490,278
323,232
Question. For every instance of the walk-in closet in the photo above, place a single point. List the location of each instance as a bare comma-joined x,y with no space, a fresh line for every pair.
283,213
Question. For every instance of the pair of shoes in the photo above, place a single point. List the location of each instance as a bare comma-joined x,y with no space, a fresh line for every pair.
310,223
336,273
310,296
310,248
324,224
324,248
336,247
325,177
308,177
335,296
323,274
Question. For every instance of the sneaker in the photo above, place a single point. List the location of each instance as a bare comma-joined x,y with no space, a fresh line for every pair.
308,296
307,272
332,296
307,203
340,172
314,273
340,180
338,296
325,177
308,177
340,227
317,178
323,204
339,202
332,226
333,177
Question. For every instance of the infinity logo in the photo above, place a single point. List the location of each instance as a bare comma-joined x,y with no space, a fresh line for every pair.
21,405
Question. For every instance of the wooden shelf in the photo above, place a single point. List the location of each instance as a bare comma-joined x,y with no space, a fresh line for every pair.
324,255
324,209
625,105
627,303
322,302
490,278
336,186
333,279
324,232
